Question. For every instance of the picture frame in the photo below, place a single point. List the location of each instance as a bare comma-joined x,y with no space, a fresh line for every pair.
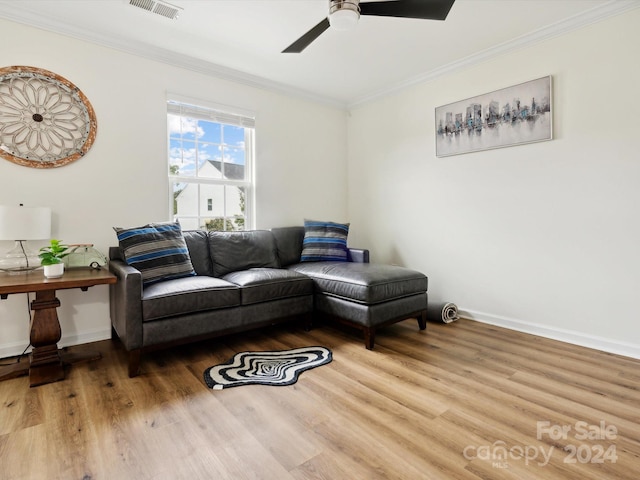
515,115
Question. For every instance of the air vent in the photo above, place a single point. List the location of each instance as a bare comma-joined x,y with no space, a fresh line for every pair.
160,8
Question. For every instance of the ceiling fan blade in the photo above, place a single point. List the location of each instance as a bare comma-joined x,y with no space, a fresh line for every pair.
425,9
304,41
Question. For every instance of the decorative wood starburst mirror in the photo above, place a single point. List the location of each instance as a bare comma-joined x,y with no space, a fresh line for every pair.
45,120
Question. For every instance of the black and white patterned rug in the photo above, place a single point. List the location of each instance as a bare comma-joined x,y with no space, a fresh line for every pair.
266,368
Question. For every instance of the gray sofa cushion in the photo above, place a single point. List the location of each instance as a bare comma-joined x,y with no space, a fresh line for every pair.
366,283
265,284
289,244
187,295
198,245
235,251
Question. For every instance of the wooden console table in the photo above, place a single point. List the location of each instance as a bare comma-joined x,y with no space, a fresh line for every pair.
47,360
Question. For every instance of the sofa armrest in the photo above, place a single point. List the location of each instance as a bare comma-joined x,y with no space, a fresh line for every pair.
358,255
125,298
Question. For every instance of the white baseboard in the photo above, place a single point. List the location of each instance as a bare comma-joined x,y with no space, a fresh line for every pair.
13,349
561,334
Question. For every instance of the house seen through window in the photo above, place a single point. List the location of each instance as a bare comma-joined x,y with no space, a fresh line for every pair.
210,162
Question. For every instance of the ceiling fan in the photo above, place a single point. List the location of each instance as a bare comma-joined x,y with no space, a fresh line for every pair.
344,14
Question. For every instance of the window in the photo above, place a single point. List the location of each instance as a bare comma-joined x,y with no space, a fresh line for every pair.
210,165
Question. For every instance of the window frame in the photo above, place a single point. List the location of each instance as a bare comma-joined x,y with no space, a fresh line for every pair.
225,115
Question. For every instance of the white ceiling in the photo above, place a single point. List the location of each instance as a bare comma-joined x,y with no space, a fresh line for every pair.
243,39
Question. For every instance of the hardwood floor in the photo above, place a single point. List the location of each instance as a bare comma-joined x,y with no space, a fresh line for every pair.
442,403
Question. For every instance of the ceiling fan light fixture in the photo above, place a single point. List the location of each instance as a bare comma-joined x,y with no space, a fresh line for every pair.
343,14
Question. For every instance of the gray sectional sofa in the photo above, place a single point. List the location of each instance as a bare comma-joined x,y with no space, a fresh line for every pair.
251,279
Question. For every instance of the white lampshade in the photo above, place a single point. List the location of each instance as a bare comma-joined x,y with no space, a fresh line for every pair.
25,223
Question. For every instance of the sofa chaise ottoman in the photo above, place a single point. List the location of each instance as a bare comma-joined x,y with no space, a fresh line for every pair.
361,294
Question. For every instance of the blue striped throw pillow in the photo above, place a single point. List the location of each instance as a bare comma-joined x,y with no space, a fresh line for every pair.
324,241
158,250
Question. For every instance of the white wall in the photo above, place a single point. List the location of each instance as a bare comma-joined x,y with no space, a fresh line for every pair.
542,237
300,148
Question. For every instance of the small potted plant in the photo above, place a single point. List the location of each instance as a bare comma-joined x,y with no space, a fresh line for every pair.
51,258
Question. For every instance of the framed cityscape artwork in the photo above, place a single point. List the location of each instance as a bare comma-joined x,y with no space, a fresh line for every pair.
511,116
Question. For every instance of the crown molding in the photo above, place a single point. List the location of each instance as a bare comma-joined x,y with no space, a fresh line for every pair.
33,19
594,15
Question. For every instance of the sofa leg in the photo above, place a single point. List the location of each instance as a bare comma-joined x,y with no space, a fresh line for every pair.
134,362
369,337
422,320
114,334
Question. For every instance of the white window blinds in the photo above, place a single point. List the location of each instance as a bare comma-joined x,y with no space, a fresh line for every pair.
213,114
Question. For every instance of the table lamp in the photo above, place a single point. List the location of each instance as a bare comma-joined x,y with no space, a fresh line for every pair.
21,224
